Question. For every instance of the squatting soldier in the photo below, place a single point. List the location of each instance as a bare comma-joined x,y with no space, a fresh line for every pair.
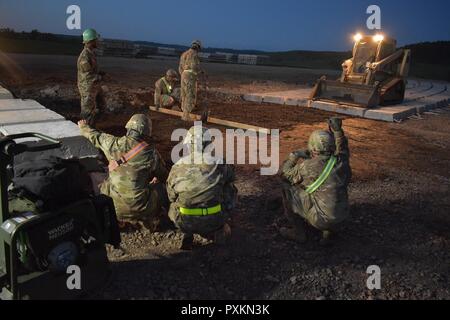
89,79
315,189
136,170
189,70
202,193
166,95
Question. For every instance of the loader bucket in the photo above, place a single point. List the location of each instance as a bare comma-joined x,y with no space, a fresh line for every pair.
346,93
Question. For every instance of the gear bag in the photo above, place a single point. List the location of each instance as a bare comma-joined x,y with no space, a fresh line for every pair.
52,180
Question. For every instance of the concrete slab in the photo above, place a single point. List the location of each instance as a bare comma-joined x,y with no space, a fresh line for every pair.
272,99
19,104
420,96
55,129
252,98
29,116
5,94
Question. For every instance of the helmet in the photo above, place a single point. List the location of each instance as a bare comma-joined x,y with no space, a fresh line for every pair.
171,74
196,44
321,142
89,35
140,123
196,135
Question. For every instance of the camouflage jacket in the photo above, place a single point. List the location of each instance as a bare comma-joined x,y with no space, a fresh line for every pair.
189,61
128,185
162,87
201,185
88,74
330,201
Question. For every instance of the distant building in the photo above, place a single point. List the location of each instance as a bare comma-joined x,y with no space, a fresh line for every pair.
118,48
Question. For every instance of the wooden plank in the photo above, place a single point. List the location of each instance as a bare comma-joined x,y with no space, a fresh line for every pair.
213,120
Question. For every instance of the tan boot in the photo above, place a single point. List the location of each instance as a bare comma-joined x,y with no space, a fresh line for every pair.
222,236
295,234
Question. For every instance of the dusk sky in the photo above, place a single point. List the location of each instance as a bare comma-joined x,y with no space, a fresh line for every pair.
245,24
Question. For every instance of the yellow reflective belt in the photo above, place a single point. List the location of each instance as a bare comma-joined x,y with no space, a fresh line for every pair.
201,211
168,86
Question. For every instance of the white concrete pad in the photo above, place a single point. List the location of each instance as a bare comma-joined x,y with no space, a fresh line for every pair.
55,129
420,96
19,104
28,116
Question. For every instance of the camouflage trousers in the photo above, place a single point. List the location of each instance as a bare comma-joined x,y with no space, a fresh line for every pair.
202,225
172,99
188,91
300,205
92,103
152,203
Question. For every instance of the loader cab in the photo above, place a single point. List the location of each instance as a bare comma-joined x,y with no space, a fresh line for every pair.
366,51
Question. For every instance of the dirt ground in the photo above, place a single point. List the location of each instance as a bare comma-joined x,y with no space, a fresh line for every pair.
399,195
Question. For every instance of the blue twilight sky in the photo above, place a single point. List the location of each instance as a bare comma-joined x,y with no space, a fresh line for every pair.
241,24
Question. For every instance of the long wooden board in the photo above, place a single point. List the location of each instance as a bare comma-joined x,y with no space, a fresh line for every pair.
218,121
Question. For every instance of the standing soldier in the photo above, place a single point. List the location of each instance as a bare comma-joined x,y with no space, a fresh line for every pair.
189,69
201,191
89,78
136,170
166,95
315,189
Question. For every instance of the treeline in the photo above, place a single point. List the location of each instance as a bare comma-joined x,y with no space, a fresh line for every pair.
431,52
36,35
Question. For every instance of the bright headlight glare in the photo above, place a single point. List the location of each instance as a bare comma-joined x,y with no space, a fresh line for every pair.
378,38
357,37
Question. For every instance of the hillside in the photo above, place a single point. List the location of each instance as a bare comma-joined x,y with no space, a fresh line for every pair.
429,59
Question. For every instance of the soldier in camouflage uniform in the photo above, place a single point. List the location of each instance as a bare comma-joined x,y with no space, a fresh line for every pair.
89,79
315,189
189,70
166,95
135,185
202,193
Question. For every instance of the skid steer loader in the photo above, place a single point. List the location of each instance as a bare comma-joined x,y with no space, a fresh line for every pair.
375,75
40,251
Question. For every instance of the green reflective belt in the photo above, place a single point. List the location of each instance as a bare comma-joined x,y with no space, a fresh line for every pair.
323,176
201,211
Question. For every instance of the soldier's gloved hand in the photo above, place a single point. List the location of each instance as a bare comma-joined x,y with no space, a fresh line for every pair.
294,156
335,124
82,123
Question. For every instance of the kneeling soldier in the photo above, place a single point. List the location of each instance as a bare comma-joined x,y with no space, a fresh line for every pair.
201,191
136,170
315,189
166,94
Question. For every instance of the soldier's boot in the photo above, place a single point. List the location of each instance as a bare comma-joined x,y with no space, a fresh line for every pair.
327,236
187,241
223,235
294,234
297,232
128,226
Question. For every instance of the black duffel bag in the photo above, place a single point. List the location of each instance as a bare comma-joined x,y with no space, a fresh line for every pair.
52,180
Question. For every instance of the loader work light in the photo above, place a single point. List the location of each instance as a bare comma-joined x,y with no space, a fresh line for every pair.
378,38
357,37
